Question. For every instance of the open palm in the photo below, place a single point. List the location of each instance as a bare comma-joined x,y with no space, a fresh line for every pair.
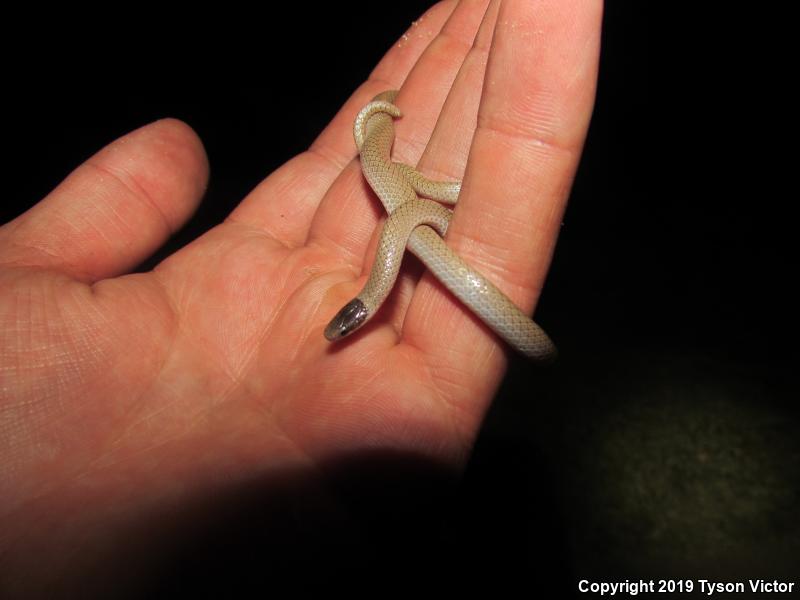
120,392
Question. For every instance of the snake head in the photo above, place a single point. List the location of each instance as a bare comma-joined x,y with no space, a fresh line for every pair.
351,317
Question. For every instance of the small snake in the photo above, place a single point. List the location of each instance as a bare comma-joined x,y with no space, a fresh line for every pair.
419,224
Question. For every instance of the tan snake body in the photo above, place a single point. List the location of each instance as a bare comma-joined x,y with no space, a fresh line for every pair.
419,223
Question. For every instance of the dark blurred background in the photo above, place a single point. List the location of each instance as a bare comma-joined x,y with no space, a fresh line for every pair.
662,445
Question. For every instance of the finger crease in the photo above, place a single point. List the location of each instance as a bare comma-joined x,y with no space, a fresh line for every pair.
129,183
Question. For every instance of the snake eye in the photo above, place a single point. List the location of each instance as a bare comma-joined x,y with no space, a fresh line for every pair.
347,320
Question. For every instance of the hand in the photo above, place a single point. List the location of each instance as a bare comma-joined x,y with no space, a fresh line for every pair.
123,393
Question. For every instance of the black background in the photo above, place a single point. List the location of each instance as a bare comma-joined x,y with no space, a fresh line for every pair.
664,442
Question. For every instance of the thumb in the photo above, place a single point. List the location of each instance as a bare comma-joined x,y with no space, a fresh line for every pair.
115,209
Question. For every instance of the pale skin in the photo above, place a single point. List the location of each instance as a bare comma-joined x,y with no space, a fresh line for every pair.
124,392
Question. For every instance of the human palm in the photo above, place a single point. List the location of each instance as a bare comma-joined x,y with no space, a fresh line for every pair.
121,392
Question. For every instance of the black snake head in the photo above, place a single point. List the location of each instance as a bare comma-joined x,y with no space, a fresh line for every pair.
347,320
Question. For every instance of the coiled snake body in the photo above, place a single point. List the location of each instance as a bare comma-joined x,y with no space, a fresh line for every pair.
418,223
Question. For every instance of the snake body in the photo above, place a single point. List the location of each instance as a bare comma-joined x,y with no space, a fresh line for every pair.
419,224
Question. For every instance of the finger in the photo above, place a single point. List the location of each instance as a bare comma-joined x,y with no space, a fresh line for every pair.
447,150
285,203
533,117
115,209
422,95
